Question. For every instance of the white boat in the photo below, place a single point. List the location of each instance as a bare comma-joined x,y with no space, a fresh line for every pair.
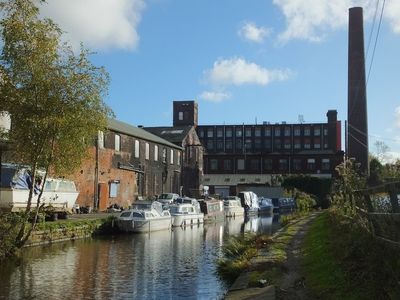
186,211
61,194
144,217
266,205
233,207
249,201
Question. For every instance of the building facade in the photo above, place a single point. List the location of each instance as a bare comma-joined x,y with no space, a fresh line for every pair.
183,133
125,164
238,156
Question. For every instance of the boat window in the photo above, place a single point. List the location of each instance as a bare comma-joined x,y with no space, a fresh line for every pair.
137,215
173,209
66,186
125,214
50,185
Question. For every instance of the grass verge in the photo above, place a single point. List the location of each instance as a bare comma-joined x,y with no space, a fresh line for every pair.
342,261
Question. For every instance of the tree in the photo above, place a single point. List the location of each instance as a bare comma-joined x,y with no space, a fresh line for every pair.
54,97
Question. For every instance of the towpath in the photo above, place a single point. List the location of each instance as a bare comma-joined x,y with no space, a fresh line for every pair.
291,283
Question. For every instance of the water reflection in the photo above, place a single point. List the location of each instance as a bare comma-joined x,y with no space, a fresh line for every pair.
177,264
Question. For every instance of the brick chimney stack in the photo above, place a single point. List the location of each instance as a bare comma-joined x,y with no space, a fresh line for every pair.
357,132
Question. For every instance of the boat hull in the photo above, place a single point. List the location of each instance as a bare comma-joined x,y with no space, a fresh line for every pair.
187,219
139,226
234,211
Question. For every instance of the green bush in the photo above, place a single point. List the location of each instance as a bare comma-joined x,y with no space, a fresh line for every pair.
8,232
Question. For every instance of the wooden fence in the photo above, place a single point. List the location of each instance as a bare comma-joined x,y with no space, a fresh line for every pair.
384,225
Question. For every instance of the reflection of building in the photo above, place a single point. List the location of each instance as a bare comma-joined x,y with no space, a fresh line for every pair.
126,163
183,134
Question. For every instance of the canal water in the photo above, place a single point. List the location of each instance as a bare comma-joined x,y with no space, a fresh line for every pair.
177,264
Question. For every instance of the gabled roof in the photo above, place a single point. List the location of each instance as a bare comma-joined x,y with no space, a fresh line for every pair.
137,132
174,134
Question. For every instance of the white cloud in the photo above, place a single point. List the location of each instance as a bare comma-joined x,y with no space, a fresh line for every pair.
397,116
251,32
312,20
237,71
392,13
214,96
99,24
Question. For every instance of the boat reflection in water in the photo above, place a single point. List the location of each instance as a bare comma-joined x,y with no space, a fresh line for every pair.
176,264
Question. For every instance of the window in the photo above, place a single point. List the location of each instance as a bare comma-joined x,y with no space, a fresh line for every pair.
267,164
317,131
201,133
228,132
311,164
283,164
210,132
100,139
228,145
326,145
307,144
210,145
239,132
171,160
164,155
220,145
137,148
227,164
277,144
297,131
240,164
257,144
287,131
325,131
326,164
287,144
178,160
147,151
267,144
180,115
277,131
297,164
254,164
307,131
317,143
114,189
117,142
220,132
297,144
155,153
247,143
238,144
213,164
257,132
248,132
268,131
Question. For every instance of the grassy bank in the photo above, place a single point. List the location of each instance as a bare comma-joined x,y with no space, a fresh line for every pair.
342,261
261,255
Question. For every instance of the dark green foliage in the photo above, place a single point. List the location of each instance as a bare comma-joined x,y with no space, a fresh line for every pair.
8,231
320,187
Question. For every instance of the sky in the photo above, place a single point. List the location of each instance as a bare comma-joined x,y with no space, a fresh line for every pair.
242,61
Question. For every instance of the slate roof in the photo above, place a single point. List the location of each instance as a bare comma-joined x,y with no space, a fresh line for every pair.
174,134
140,133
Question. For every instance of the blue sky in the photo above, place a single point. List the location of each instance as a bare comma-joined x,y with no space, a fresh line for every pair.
242,61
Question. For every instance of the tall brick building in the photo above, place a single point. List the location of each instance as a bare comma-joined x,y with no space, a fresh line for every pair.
241,155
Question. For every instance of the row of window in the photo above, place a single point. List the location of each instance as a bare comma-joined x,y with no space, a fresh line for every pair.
267,164
259,144
240,131
136,150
